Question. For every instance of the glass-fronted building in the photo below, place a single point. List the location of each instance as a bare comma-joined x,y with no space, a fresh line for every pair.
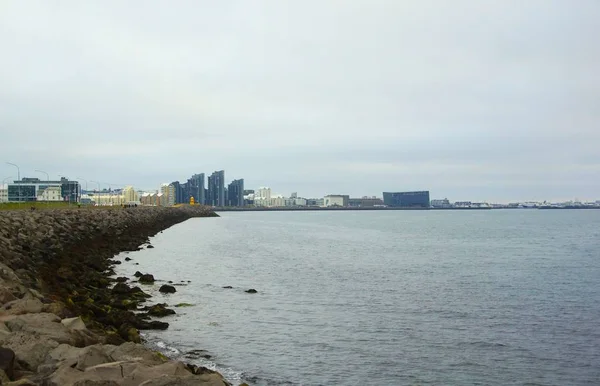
216,189
34,189
406,199
235,193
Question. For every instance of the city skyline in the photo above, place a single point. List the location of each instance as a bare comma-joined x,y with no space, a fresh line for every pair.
467,99
93,185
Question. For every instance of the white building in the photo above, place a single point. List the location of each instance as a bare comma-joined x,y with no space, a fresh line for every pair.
3,193
263,193
130,195
300,201
49,193
336,200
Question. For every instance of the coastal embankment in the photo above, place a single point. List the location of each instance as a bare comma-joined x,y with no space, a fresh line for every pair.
64,320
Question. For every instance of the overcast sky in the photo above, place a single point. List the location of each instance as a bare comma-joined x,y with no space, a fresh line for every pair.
472,100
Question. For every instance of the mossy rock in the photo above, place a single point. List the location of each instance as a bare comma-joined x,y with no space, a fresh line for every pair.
159,310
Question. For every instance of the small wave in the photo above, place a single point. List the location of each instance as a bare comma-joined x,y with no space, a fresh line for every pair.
482,344
169,349
233,376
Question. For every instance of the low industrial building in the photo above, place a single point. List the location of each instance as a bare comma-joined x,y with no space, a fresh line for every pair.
365,202
444,203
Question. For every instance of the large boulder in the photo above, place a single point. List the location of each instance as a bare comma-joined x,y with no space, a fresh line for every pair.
41,324
74,323
167,289
146,279
26,305
7,362
92,356
159,310
6,295
30,349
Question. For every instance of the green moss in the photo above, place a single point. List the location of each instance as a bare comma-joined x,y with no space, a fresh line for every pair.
161,356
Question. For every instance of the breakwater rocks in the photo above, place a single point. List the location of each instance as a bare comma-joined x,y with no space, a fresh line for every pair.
63,320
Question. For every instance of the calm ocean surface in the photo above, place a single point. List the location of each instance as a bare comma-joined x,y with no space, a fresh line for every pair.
502,297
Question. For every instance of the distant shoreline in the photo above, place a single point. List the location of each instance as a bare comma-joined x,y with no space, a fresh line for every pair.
305,209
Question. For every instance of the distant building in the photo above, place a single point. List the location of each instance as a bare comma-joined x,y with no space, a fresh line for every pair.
49,193
364,202
196,189
3,193
130,195
33,189
299,201
178,193
248,192
314,202
263,192
463,204
406,199
235,193
441,203
216,189
167,195
336,200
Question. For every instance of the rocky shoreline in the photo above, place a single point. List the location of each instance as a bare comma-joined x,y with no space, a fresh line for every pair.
64,320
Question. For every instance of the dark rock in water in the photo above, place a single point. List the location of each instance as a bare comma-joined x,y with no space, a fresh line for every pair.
137,263
121,288
199,370
156,325
251,291
137,274
150,246
228,287
195,354
121,279
183,305
159,310
167,289
170,282
146,279
128,259
7,361
117,262
189,281
137,293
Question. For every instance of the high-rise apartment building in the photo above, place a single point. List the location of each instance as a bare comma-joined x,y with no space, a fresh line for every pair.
216,189
195,188
235,193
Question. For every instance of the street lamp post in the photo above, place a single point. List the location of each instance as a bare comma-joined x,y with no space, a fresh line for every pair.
18,178
86,183
96,182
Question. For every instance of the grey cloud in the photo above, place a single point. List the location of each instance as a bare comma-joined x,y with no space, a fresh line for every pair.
475,100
